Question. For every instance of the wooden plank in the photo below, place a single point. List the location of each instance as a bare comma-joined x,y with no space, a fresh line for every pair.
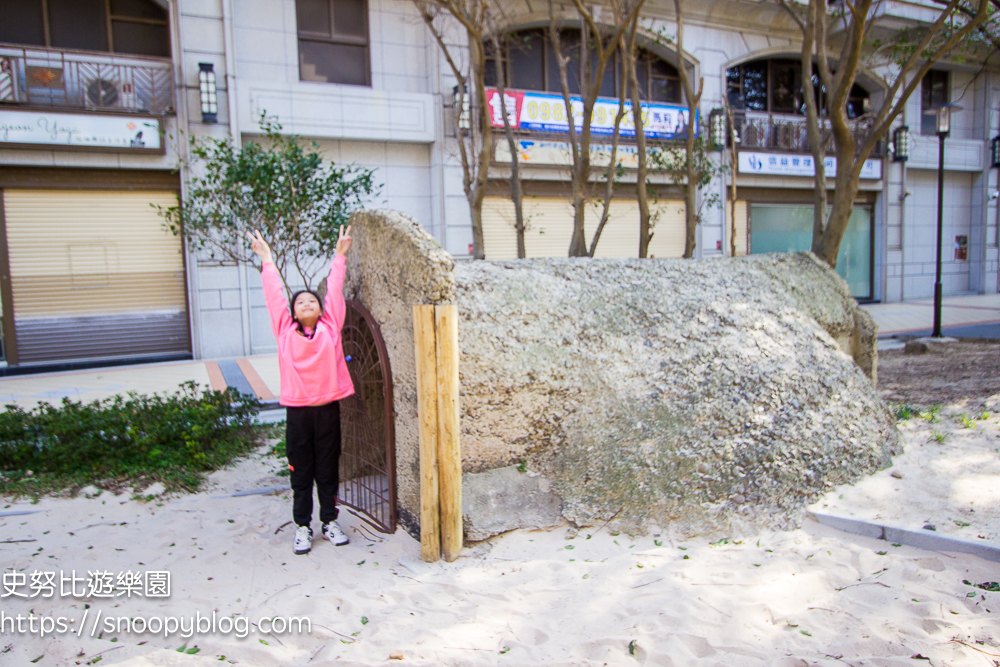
215,377
449,449
259,386
426,361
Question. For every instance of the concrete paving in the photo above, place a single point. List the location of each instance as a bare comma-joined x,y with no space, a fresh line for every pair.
917,317
257,375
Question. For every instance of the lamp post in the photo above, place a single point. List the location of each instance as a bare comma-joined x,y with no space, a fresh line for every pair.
943,117
208,93
717,129
461,100
901,143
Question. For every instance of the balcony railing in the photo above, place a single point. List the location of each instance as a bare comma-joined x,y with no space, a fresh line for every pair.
63,79
777,132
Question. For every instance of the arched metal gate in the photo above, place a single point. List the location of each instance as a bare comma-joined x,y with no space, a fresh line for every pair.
368,441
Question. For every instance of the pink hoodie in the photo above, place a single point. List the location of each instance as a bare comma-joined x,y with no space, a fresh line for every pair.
313,370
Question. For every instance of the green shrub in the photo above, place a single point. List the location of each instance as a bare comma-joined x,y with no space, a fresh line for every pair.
173,438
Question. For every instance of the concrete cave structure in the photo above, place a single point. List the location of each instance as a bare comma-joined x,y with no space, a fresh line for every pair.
697,394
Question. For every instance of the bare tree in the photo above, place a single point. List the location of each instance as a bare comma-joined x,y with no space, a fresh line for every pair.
838,68
474,146
515,172
630,52
600,43
693,100
614,165
734,139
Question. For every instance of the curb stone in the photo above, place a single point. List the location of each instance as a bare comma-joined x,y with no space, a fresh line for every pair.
922,539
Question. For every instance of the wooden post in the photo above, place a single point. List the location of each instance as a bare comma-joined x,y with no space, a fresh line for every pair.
427,408
449,454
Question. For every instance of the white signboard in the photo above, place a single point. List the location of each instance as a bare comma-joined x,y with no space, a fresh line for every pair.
558,153
44,128
782,164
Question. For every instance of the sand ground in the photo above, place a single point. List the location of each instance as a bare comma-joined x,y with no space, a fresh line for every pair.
812,596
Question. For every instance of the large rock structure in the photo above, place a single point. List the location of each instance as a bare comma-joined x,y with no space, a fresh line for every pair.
695,393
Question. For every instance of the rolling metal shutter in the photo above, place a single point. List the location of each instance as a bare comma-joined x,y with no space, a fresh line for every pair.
549,223
741,226
94,275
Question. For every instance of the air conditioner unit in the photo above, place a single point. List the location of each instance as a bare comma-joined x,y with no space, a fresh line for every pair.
102,93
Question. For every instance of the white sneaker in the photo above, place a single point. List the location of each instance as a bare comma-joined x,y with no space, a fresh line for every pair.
303,540
332,532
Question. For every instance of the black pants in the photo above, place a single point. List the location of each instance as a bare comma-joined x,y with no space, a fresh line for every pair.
312,444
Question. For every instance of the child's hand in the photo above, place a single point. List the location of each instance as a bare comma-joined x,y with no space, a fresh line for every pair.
259,246
344,241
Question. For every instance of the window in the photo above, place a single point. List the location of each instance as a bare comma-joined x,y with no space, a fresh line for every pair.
529,58
137,27
933,93
333,41
776,86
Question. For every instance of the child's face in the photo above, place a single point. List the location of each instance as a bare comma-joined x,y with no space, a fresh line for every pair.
307,309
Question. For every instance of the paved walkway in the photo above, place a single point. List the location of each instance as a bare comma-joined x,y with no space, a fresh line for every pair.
257,375
963,316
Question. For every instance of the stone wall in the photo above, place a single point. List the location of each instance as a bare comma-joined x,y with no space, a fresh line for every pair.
699,393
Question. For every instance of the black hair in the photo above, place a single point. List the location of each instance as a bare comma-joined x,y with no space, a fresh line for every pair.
295,297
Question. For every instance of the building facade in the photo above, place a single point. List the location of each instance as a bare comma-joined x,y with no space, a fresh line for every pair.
99,99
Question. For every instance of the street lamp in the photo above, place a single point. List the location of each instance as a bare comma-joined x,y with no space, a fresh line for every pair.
207,92
901,143
942,114
717,129
462,102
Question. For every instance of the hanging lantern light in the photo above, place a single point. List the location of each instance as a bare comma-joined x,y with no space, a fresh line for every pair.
901,141
206,88
717,129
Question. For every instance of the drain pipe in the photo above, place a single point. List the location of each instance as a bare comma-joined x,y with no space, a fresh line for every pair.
229,42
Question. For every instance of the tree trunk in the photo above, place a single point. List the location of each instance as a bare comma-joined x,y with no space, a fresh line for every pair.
847,183
645,234
609,182
814,133
693,100
690,192
581,172
477,65
515,171
732,185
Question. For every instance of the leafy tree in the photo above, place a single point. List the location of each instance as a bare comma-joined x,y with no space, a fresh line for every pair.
296,200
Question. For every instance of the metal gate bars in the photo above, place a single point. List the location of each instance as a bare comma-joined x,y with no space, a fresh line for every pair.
368,441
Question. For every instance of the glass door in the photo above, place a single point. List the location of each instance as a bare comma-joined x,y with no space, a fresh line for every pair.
788,228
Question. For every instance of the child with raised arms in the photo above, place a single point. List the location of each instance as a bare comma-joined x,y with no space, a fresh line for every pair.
314,377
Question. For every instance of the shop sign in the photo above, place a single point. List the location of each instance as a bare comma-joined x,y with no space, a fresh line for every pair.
782,164
558,153
51,129
545,112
